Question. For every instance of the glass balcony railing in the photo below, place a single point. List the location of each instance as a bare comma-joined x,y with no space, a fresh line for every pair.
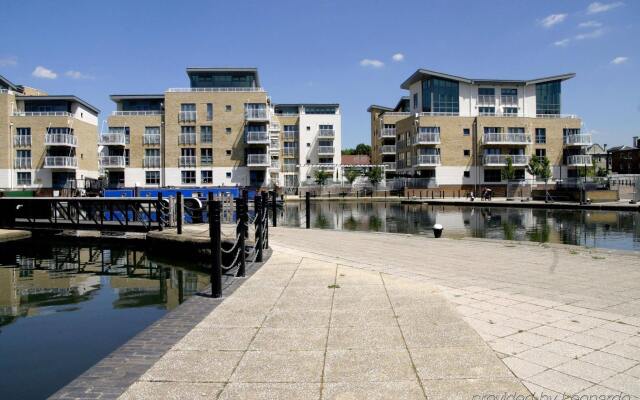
22,163
112,161
151,139
427,138
507,138
290,151
112,139
326,149
326,133
579,160
255,114
501,159
388,133
427,160
257,137
258,160
187,161
60,162
290,136
388,149
60,139
22,140
151,162
187,116
581,139
187,138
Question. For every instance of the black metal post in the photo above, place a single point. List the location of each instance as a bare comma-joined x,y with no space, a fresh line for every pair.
265,219
274,208
307,202
241,213
179,213
158,211
216,249
258,244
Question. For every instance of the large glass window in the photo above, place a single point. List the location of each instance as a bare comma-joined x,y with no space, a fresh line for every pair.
486,91
508,92
492,175
188,177
206,176
152,177
206,156
222,79
24,178
440,96
541,136
548,98
206,134
487,110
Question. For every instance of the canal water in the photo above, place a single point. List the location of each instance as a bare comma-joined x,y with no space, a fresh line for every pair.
63,308
606,229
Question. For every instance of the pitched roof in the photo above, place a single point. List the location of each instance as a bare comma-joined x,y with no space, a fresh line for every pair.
8,83
356,159
422,73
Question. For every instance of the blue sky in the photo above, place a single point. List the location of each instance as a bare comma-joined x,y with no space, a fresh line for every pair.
317,51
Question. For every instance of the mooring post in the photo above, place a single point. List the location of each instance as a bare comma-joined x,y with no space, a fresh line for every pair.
258,242
307,202
265,210
274,208
241,213
158,212
216,249
179,211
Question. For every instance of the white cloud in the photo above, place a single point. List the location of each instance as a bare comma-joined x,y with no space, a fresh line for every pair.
552,20
367,62
619,60
590,24
398,57
562,43
77,75
597,7
45,73
8,61
590,35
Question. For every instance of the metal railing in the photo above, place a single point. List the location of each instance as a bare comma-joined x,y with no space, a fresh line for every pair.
215,89
397,113
136,113
112,161
187,116
60,162
41,114
257,137
289,151
427,138
151,162
187,138
187,161
22,140
388,133
326,133
289,168
111,138
509,99
556,116
388,149
326,149
506,138
439,114
580,139
258,160
57,139
486,99
22,163
290,135
255,114
275,164
501,159
427,159
389,166
151,139
579,159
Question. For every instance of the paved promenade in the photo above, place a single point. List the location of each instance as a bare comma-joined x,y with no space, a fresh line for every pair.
11,235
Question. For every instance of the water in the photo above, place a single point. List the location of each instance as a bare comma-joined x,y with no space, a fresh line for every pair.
607,229
64,308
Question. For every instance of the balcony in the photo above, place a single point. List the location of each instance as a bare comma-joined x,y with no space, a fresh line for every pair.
290,136
290,152
389,166
187,139
41,114
22,163
388,149
388,133
275,165
500,160
254,114
60,162
581,139
215,89
427,138
187,161
22,140
151,162
326,150
187,116
507,138
489,100
290,168
112,139
60,139
136,113
579,160
427,160
257,137
258,160
151,139
509,100
326,133
112,162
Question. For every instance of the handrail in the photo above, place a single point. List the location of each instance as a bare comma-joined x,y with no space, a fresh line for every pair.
112,138
511,137
112,161
257,137
60,161
22,140
187,138
151,162
215,89
326,132
22,162
151,138
326,150
427,138
60,139
257,159
187,116
41,114
501,159
128,113
579,159
580,139
388,148
427,159
187,161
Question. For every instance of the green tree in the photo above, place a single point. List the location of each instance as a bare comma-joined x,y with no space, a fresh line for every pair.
321,176
352,175
508,172
363,149
540,167
375,176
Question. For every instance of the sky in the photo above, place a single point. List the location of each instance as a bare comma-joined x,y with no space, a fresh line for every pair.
351,52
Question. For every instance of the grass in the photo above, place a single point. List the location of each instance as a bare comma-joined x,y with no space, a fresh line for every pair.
334,286
574,252
598,257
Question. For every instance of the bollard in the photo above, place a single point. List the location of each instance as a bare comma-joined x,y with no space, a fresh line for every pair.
179,211
216,249
307,202
265,219
274,208
257,206
437,230
158,211
241,215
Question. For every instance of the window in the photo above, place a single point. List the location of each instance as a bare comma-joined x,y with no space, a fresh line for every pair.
23,153
228,175
486,91
227,107
487,110
509,92
440,96
541,152
228,152
127,152
415,101
492,175
206,156
466,152
188,177
206,134
548,98
206,176
308,128
326,127
492,129
24,178
187,107
23,131
209,111
308,144
510,110
541,136
466,174
466,132
152,177
227,131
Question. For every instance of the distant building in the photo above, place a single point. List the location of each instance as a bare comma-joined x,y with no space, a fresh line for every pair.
357,159
626,159
599,155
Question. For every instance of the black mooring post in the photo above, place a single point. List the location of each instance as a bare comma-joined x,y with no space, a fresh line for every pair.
274,208
158,211
307,202
241,214
258,243
265,210
216,251
179,213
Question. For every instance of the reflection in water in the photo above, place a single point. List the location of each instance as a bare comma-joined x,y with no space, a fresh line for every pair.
609,229
63,308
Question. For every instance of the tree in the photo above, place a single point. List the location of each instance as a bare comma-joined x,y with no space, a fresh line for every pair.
363,149
352,175
321,176
540,168
375,176
508,172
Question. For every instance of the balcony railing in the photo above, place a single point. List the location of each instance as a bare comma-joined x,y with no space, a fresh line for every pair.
151,162
501,159
258,160
60,139
290,135
113,139
187,116
275,164
289,168
486,99
556,116
290,151
579,160
326,133
440,114
22,140
41,114
112,161
151,139
187,138
257,137
388,149
326,150
389,166
427,160
22,163
580,139
428,138
60,162
215,89
255,114
507,138
187,161
388,133
509,100
397,113
136,113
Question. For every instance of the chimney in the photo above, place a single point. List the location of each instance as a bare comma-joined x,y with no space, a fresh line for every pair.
636,142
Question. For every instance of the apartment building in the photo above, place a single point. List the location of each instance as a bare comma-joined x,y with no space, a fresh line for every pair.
48,142
461,132
221,130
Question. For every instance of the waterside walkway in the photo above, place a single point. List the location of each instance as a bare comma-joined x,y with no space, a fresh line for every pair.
8,235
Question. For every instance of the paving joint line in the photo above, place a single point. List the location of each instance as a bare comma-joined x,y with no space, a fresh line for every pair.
326,344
